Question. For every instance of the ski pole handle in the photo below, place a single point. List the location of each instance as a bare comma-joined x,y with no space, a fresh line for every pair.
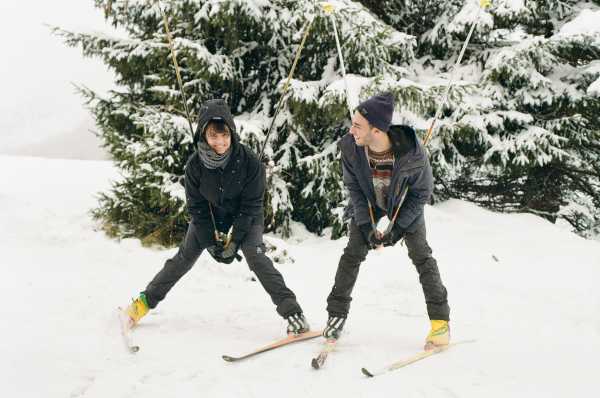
327,7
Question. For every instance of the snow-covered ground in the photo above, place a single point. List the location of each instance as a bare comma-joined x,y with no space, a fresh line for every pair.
525,290
40,112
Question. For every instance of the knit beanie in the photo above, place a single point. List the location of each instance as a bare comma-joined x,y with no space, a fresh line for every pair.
378,110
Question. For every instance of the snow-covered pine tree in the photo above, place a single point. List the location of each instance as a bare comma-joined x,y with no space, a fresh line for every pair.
240,50
521,130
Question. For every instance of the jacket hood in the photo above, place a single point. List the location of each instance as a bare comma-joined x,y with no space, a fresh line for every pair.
405,142
215,109
403,138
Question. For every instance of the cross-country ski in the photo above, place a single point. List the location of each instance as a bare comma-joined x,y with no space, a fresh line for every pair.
125,327
328,347
276,344
410,360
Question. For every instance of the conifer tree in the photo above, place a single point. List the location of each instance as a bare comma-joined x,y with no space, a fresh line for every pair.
521,129
240,50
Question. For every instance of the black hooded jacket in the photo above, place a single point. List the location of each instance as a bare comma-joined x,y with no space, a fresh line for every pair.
411,168
235,192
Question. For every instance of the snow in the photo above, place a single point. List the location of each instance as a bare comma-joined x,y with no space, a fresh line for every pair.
354,85
594,88
212,7
470,13
586,23
509,8
524,289
217,64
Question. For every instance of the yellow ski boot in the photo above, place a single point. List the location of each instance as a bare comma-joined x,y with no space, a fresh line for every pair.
438,336
137,309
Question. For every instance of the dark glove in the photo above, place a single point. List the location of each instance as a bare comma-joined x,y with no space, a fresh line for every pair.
229,253
392,237
216,250
371,238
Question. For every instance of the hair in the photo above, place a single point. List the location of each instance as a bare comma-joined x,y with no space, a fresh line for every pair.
218,125
362,111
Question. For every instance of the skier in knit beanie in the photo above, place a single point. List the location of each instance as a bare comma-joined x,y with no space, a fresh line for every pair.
387,173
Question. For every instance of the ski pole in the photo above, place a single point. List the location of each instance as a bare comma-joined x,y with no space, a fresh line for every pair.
187,112
329,9
176,65
484,4
286,86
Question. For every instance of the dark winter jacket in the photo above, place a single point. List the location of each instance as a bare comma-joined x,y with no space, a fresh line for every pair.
411,167
235,192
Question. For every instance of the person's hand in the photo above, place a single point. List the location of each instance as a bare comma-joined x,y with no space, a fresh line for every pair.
229,253
392,237
372,237
216,251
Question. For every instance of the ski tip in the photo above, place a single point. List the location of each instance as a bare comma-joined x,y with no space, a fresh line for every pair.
228,358
315,364
367,373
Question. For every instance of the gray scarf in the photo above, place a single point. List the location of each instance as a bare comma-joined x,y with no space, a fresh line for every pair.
210,158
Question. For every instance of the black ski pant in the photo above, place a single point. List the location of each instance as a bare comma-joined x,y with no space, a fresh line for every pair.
253,249
436,296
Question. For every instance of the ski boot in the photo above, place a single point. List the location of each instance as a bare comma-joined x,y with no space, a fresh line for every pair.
137,309
438,336
297,324
335,325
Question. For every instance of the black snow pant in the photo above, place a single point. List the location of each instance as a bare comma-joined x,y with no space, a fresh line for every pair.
253,249
436,296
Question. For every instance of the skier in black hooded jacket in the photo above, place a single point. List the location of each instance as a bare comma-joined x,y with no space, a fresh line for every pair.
224,186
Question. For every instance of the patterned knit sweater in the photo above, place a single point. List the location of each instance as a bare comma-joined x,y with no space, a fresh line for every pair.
382,165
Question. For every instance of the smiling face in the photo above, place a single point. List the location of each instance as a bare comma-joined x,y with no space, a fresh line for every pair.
218,137
361,130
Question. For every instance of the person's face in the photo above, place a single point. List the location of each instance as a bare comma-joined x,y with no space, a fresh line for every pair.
219,141
361,130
